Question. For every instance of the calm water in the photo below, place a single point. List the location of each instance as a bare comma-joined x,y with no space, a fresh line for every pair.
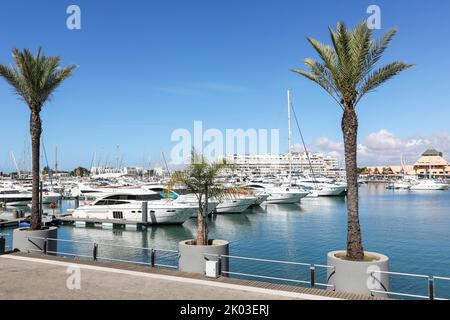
412,228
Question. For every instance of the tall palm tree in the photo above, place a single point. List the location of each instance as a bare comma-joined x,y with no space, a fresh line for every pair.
200,179
347,72
34,79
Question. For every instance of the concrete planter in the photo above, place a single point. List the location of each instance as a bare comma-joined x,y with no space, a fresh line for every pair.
356,276
193,258
34,241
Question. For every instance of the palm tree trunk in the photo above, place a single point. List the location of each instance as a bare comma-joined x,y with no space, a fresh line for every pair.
35,132
200,238
206,219
355,249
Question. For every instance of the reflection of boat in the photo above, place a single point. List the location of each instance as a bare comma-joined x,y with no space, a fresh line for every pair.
128,206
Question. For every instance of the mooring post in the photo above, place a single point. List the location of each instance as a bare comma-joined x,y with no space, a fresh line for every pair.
431,288
144,212
312,270
77,202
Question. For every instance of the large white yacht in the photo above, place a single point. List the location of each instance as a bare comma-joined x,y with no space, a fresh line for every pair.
235,204
123,205
16,197
428,184
322,187
278,194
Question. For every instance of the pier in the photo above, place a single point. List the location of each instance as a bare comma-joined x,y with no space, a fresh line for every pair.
47,278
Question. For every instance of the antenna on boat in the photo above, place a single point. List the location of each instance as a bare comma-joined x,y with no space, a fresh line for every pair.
165,162
289,135
15,163
304,144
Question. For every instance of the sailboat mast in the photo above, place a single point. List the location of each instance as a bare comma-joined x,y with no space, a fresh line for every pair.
289,134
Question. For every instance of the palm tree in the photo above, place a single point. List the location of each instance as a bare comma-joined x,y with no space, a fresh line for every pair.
347,72
200,179
34,79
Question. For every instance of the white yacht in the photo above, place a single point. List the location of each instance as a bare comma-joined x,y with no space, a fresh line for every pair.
128,206
14,197
279,194
17,197
322,188
428,184
235,204
398,185
183,197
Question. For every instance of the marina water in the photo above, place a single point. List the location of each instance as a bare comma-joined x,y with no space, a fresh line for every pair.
412,228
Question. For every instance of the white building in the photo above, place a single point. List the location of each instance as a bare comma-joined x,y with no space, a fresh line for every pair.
279,164
110,172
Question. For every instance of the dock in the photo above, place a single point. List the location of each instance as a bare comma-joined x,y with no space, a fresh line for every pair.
48,278
10,223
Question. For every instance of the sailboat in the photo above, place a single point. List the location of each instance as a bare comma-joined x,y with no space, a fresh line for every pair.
317,187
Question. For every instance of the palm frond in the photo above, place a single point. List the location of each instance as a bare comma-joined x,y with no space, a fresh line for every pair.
380,76
35,78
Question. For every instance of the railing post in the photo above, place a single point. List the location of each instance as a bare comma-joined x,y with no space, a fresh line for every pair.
219,262
312,270
45,246
153,258
95,251
2,245
431,288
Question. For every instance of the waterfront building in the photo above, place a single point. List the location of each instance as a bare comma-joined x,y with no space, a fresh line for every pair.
266,164
431,162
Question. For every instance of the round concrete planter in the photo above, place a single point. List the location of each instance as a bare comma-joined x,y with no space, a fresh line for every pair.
34,240
193,258
359,276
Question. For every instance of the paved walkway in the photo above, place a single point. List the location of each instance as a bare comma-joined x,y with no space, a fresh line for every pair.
25,277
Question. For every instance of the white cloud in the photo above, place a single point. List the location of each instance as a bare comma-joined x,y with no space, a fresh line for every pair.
383,147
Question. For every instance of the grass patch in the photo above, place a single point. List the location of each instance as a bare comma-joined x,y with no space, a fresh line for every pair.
367,257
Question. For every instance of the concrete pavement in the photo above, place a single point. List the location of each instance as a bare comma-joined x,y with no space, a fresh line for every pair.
23,277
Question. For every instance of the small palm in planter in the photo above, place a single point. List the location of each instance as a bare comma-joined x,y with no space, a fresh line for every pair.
200,179
347,72
34,78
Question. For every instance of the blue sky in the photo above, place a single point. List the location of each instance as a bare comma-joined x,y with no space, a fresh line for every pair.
149,67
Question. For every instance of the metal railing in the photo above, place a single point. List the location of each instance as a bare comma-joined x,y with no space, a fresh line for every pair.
153,262
312,268
431,283
95,252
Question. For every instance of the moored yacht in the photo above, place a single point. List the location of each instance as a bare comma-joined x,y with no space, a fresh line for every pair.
428,184
279,194
322,188
128,206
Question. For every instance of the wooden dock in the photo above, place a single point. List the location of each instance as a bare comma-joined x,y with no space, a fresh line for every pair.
104,223
10,223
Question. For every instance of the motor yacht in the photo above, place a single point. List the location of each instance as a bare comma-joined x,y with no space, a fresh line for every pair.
277,194
428,184
123,205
